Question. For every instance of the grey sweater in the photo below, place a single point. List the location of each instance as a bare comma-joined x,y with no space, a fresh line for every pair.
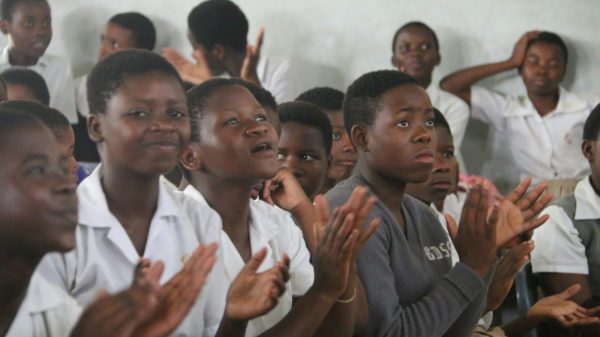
412,289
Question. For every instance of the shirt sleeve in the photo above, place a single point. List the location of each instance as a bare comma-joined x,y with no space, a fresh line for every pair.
488,106
62,96
558,247
432,314
302,273
278,79
457,114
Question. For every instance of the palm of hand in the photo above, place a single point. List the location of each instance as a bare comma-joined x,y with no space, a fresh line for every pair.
510,222
555,307
249,296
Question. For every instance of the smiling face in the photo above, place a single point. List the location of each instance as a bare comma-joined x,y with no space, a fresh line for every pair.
145,125
38,203
237,142
444,174
543,68
301,149
416,54
343,154
30,28
115,38
400,143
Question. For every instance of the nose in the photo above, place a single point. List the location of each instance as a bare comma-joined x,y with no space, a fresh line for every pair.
423,134
440,164
66,182
163,122
256,128
291,163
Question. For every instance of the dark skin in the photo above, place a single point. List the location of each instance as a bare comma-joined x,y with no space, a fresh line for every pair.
140,135
343,154
554,283
416,54
115,38
542,67
301,149
238,150
30,31
34,177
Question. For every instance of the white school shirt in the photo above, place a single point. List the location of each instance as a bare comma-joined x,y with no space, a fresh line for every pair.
105,257
454,258
57,73
275,229
457,114
545,148
46,311
81,96
558,247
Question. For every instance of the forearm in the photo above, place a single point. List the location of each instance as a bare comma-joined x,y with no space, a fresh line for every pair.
521,326
460,82
307,218
341,320
231,328
305,317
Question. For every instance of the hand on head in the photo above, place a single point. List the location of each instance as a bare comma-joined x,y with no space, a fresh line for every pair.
520,49
248,71
253,294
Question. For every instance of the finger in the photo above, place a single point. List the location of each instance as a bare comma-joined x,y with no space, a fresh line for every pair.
156,270
538,206
491,224
255,261
569,292
452,226
266,192
366,208
259,41
515,195
343,232
348,246
366,234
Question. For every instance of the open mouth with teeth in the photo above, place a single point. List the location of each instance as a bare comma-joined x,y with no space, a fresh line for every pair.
262,147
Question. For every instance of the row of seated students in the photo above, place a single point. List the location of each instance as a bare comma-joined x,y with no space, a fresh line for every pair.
231,140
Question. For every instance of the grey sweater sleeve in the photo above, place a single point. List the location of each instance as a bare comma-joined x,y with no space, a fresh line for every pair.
431,315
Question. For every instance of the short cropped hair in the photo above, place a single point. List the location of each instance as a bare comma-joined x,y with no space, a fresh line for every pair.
440,121
262,95
140,26
326,98
7,7
198,97
310,115
108,74
11,120
52,118
29,79
363,96
551,38
221,22
592,124
416,24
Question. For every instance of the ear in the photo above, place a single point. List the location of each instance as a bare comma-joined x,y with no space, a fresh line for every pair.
394,61
359,137
587,147
190,158
439,59
4,26
95,128
219,52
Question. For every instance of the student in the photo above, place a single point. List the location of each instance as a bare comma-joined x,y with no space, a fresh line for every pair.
57,123
25,84
416,292
568,246
542,129
218,32
122,31
305,144
33,177
139,118
266,100
416,51
28,25
233,147
343,155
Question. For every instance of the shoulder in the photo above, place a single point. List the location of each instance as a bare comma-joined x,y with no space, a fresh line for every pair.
204,220
339,193
56,61
446,100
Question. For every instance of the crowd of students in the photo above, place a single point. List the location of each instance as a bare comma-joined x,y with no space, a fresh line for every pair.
223,206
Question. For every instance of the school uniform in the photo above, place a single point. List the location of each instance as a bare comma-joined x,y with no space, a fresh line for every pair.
81,96
569,242
57,73
105,257
46,311
273,228
457,114
545,148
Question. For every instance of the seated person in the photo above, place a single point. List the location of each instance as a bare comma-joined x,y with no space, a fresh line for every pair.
416,51
343,155
27,48
218,32
542,130
569,243
304,144
25,84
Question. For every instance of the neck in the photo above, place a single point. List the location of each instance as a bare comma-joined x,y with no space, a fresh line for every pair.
16,270
595,181
128,193
439,205
424,82
17,58
389,191
231,199
234,63
327,185
544,103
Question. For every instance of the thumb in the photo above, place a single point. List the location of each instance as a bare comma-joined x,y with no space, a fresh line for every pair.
255,261
452,226
569,292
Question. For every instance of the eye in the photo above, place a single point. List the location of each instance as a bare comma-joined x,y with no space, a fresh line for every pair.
336,136
449,154
176,114
47,23
403,48
307,157
139,113
116,45
403,124
232,122
28,23
425,46
38,170
261,118
280,157
430,123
